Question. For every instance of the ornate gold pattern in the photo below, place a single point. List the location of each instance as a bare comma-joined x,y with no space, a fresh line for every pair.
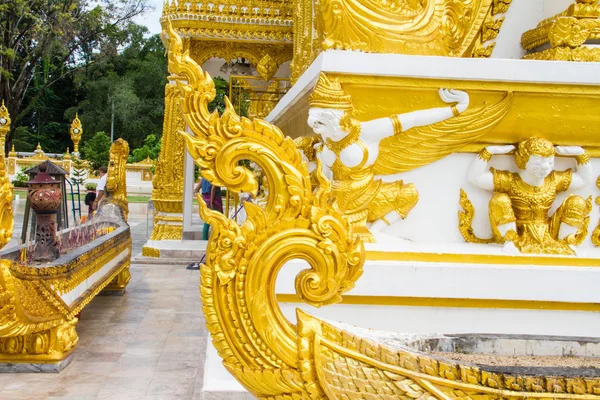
167,192
442,27
328,93
243,262
567,33
262,20
515,201
116,186
338,364
265,57
76,131
150,252
485,41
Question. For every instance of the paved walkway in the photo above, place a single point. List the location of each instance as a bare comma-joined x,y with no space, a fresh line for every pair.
147,344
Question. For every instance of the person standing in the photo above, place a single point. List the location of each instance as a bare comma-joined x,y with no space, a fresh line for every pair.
101,186
213,199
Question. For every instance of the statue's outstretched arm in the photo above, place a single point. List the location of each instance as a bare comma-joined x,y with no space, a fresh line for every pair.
385,127
479,171
583,175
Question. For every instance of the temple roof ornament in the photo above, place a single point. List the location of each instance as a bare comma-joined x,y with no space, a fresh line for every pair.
264,21
569,34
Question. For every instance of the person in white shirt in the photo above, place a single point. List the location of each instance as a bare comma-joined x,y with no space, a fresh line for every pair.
100,187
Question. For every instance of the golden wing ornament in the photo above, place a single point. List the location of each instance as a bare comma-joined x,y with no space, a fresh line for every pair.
423,145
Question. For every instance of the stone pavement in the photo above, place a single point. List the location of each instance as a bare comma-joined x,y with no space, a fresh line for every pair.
147,344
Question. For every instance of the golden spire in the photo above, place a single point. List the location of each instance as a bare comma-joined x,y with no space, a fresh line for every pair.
38,148
12,152
4,123
329,94
67,155
76,131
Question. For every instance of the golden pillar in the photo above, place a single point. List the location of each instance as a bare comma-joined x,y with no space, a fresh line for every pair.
76,131
167,193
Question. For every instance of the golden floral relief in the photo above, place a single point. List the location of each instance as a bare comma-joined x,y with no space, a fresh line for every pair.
356,154
520,204
424,27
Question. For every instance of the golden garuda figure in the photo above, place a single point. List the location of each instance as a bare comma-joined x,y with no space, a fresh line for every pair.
519,208
357,155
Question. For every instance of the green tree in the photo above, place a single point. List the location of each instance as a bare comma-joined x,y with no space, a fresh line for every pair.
78,172
97,149
222,90
151,148
42,42
133,81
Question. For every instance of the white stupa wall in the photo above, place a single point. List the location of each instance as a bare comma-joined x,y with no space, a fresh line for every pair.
522,16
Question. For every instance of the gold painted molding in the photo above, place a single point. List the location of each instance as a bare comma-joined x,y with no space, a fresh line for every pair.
446,302
454,258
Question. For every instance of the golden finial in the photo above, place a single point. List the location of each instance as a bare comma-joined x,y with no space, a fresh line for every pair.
39,148
67,155
76,131
12,152
329,94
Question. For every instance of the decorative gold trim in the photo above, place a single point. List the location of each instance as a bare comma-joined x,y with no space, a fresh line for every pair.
453,258
350,139
445,302
150,252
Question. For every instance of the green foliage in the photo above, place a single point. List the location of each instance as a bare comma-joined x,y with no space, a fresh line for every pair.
90,186
151,148
133,81
21,178
97,149
78,172
240,99
222,89
43,43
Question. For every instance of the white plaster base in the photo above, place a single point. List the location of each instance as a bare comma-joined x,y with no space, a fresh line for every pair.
189,249
218,382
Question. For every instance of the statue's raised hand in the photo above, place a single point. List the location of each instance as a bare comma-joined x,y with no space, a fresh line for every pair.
498,150
569,151
455,96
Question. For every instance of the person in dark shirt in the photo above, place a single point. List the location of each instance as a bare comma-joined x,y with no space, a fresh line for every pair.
213,199
90,197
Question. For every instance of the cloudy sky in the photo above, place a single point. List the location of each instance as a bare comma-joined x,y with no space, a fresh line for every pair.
150,19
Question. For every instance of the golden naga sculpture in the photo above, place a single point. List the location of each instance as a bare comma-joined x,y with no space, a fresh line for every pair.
521,201
457,28
571,35
356,155
116,188
269,355
76,131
